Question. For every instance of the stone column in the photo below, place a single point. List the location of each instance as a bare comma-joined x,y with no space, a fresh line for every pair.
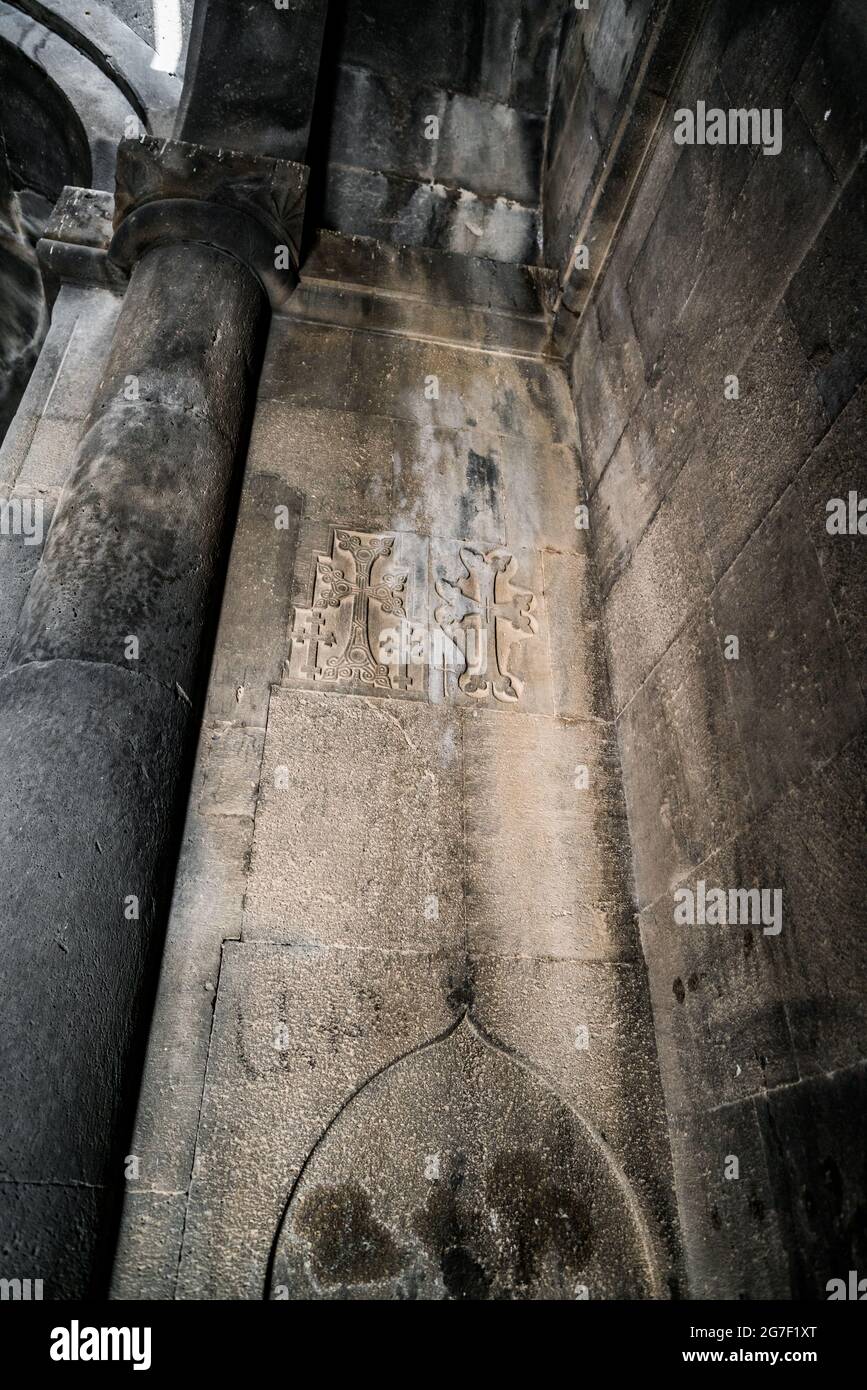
98,706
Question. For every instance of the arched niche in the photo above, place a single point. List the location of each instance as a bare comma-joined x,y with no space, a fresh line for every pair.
456,1173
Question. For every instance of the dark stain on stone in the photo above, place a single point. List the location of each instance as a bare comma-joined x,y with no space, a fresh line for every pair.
678,990
715,1219
504,409
463,1277
448,1236
483,476
693,983
757,1207
535,1214
347,1244
462,992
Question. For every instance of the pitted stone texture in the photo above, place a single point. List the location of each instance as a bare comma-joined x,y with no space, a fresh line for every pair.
51,1232
654,596
340,464
816,1168
721,1021
588,1029
207,909
256,607
825,296
793,713
547,861
151,1231
763,439
457,1174
734,1241
836,468
297,1032
358,831
648,457
113,742
579,672
739,1011
684,770
306,365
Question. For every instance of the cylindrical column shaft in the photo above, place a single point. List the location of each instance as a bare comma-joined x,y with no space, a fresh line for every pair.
96,719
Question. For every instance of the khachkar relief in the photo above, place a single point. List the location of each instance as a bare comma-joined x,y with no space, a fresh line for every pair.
486,608
355,634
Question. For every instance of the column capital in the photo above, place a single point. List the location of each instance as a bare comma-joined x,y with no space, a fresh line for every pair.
249,206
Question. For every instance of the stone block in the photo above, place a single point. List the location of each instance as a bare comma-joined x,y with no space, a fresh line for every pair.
666,579
451,480
577,648
829,90
51,453
306,366
734,1240
834,469
718,1003
608,375
764,437
255,611
814,1135
297,1033
685,777
653,448
148,1246
206,911
362,848
827,295
339,462
791,192
587,1028
813,840
369,203
523,809
793,689
695,206
497,395
493,149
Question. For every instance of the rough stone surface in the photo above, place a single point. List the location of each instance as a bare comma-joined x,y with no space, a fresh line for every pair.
430,1022
392,879
717,375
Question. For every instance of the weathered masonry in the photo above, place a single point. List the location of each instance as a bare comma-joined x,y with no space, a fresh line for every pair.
426,590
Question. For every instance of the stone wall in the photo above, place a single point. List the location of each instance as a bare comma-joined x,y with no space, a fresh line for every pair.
482,70
707,505
402,1045
596,51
